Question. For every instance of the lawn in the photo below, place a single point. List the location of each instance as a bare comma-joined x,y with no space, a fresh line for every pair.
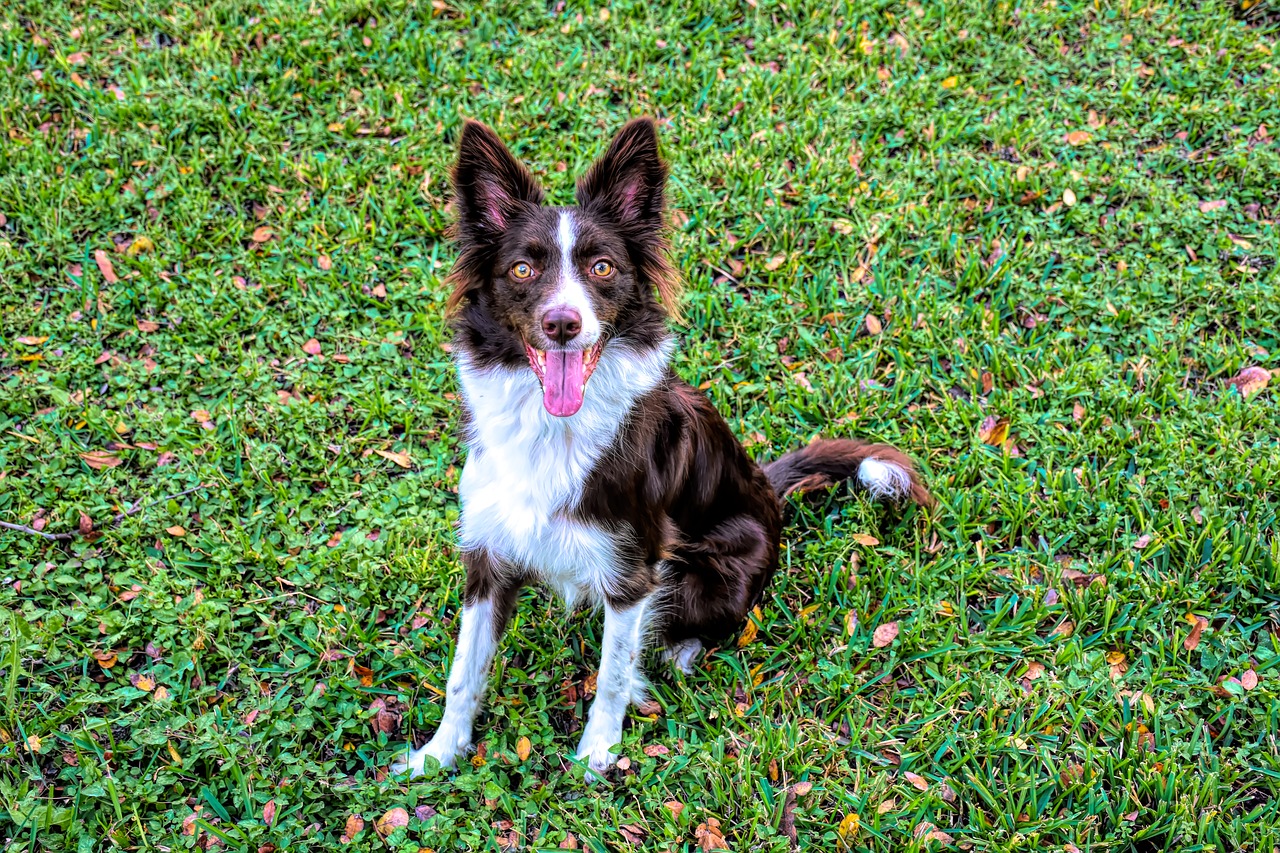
1033,244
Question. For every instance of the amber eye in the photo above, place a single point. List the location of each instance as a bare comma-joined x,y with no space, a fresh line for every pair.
602,269
522,271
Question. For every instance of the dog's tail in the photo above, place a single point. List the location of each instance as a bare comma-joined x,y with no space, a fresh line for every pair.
885,472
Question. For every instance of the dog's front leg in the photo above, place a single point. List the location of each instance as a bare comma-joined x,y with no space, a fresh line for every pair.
616,685
487,605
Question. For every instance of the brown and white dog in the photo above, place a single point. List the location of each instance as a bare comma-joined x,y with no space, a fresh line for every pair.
591,467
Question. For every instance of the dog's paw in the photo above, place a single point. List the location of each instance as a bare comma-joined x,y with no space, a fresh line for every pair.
415,762
683,654
595,752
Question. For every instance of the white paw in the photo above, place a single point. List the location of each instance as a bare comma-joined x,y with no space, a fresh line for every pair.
683,654
596,750
415,763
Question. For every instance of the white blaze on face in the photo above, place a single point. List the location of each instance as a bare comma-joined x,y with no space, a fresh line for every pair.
572,293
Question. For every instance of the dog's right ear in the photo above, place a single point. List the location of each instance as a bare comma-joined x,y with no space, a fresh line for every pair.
490,186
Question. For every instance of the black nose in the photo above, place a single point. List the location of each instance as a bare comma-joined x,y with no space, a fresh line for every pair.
562,324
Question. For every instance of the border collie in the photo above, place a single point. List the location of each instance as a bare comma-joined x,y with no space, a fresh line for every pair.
591,467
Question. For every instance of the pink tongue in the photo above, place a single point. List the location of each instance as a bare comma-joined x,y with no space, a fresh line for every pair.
562,382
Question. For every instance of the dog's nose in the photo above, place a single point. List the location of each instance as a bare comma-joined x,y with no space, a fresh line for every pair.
562,324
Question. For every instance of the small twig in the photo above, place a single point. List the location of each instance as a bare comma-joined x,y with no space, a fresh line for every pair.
119,517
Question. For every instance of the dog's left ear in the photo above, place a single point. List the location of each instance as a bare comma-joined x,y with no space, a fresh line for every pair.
626,184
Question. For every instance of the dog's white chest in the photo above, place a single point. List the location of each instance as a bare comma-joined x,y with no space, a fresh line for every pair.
526,471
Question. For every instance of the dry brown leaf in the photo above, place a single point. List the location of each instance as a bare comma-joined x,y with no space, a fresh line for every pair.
176,530
354,826
1064,630
750,630
709,836
775,262
312,347
262,234
994,431
1210,206
873,325
1198,624
145,683
104,266
392,820
675,807
269,812
99,459
1142,541
884,635
926,831
887,806
106,659
402,458
324,263
32,340
917,781
632,832
1250,380
653,750
1078,137
1250,679
1035,669
148,326
865,539
1078,412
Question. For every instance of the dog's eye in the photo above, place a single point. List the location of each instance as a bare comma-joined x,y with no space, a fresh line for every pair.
602,269
522,271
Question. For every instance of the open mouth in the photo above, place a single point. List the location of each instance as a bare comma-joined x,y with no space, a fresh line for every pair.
563,374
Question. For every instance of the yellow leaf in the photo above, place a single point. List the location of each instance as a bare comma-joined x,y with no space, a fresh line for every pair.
951,82
849,827
392,820
994,431
750,630
402,458
145,683
523,747
173,753
161,694
140,244
33,743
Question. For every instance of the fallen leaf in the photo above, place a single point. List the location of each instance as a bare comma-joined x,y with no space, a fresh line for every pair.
1078,412
31,340
99,459
926,831
848,828
354,826
873,325
106,659
951,82
570,842
145,683
269,812
632,832
1064,630
917,781
887,806
312,347
1035,669
324,263
104,266
394,819
653,750
884,635
524,747
775,262
402,458
176,530
709,836
865,539
140,244
148,326
1118,663
1198,624
675,807
1078,137
1250,380
1250,679
1210,206
994,431
1142,541
751,629
1069,197
261,234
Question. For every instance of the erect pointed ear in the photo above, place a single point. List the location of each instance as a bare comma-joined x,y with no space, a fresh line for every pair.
626,184
490,186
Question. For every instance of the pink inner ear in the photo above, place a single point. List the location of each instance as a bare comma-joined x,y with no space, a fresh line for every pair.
629,193
491,204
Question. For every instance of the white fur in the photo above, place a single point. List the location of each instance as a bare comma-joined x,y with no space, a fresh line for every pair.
884,480
468,677
572,293
683,654
617,684
526,468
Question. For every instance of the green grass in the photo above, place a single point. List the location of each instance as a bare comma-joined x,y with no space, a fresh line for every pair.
907,161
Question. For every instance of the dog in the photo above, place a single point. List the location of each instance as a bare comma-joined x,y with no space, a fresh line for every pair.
592,468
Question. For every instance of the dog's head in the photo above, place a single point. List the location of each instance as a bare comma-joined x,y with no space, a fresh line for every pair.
550,288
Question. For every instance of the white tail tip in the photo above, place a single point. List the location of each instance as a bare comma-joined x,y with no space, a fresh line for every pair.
884,480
